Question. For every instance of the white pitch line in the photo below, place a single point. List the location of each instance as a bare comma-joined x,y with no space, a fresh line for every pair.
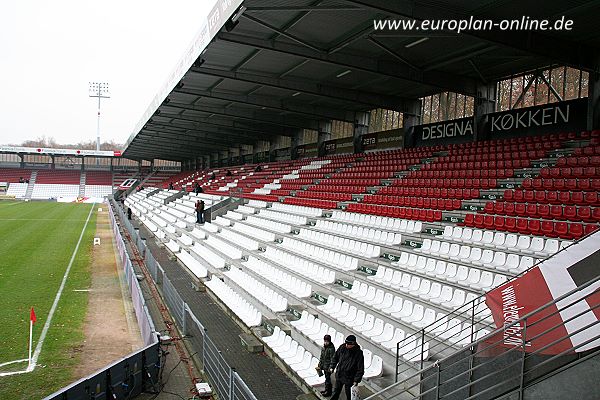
40,343
14,372
12,362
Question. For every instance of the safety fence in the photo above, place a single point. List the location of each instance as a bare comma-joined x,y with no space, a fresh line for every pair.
138,371
223,378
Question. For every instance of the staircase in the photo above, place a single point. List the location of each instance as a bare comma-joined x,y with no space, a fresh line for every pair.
82,184
29,190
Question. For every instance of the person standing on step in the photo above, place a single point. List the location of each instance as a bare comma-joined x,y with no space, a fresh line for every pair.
326,362
349,366
200,211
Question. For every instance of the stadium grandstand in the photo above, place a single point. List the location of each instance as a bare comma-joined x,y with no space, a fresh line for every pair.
434,193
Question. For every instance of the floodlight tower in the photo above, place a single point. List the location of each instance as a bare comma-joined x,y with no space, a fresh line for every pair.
99,90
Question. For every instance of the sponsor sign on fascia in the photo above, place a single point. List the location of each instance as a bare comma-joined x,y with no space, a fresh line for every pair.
448,129
529,118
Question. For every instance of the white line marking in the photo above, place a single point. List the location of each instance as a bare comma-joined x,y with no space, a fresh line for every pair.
13,362
14,372
40,342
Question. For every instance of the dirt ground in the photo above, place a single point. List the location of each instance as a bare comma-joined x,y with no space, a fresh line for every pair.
110,326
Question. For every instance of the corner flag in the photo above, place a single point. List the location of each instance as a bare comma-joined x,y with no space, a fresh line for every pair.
32,319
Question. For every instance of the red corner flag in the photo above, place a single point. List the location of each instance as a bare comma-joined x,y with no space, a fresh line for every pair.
32,317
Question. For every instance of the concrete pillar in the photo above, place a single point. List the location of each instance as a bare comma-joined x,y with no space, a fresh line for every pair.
324,135
485,103
361,127
410,120
295,143
593,112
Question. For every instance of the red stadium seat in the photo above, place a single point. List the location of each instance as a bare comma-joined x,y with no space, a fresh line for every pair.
552,197
521,226
575,230
478,222
510,224
560,230
547,228
555,212
596,214
589,228
509,208
591,198
565,197
488,222
540,196
533,225
583,214
469,220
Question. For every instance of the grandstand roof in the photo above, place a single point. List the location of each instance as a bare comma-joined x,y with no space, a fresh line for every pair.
286,64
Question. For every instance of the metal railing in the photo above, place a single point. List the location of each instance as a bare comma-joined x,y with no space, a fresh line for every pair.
489,368
223,378
434,339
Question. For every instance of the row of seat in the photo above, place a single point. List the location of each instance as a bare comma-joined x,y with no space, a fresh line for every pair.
591,150
574,184
396,212
389,223
578,161
261,292
360,248
284,217
526,226
245,311
552,197
300,265
450,164
285,281
568,172
252,231
241,240
415,202
338,188
368,234
534,210
462,173
499,260
336,259
467,183
301,361
490,153
523,243
268,224
439,193
324,195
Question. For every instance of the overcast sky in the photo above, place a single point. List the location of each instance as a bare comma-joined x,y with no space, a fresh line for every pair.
50,50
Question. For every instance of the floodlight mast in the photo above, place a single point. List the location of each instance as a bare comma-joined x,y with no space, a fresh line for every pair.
99,90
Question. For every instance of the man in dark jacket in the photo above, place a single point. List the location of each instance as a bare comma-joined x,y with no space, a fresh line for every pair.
326,362
200,211
349,364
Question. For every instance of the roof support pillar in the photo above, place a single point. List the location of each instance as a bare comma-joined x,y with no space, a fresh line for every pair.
593,114
410,120
485,103
295,144
324,135
361,127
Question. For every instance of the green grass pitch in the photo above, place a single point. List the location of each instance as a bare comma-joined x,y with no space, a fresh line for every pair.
37,240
